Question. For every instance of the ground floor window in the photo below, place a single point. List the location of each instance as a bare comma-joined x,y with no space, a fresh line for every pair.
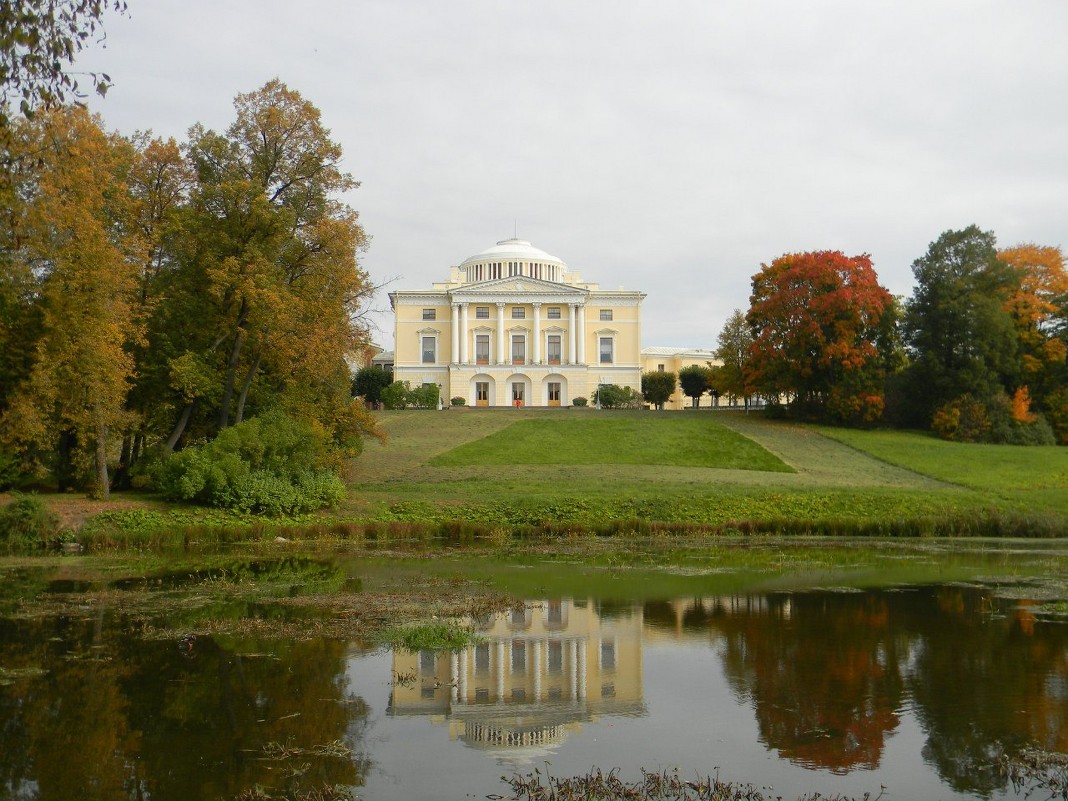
554,392
518,392
482,392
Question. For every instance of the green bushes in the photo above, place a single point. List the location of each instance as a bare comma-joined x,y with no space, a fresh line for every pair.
400,395
269,465
26,524
613,396
580,401
993,420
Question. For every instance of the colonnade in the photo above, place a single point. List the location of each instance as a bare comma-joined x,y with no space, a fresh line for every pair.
576,332
460,668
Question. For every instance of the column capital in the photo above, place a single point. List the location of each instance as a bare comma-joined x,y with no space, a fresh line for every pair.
501,304
536,304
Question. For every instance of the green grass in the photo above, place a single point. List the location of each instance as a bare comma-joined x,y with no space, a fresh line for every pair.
617,438
1031,477
585,473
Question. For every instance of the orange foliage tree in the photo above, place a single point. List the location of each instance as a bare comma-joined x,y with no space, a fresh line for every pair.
822,332
1039,308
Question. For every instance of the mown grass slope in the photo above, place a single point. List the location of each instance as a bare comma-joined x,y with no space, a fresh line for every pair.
492,467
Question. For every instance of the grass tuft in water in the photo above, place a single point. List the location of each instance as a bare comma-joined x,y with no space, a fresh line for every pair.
436,635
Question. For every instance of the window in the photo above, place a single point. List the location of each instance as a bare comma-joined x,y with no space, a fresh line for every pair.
430,314
481,312
554,392
554,312
427,662
517,391
606,315
482,657
519,349
482,391
481,348
605,349
519,313
660,368
555,656
429,350
608,655
553,354
519,656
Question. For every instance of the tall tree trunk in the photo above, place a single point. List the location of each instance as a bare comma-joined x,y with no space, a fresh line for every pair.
68,441
121,479
231,373
244,390
102,490
179,427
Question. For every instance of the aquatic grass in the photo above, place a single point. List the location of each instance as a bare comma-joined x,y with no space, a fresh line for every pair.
659,786
436,635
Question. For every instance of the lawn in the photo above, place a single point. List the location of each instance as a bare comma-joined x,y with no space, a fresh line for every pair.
537,466
617,438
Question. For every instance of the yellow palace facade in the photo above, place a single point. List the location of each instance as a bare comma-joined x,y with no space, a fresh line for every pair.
513,325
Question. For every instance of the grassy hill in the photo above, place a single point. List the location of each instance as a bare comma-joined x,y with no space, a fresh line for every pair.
704,469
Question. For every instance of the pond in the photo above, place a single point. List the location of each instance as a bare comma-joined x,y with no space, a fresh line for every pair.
909,689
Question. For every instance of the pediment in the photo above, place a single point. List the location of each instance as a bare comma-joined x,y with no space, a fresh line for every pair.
518,284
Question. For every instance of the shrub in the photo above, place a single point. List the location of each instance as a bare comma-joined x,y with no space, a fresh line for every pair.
578,402
996,419
26,523
269,464
613,396
962,420
395,396
458,401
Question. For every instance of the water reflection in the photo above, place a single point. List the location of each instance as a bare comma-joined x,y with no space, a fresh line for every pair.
828,676
918,688
88,711
538,673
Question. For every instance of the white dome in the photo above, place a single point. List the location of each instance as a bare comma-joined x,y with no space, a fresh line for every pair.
513,250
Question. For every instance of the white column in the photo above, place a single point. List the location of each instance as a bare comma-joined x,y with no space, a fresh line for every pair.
582,668
571,338
581,334
464,333
537,670
500,670
572,648
537,334
454,676
455,333
463,676
501,355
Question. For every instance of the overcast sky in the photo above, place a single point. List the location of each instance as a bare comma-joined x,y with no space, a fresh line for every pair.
670,147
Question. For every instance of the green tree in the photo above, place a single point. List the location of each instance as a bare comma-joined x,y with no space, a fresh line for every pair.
732,350
264,303
657,387
819,321
957,325
695,381
369,383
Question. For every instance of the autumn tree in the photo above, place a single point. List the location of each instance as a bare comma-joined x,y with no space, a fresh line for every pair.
1039,309
76,236
657,387
269,261
695,381
958,325
732,374
820,323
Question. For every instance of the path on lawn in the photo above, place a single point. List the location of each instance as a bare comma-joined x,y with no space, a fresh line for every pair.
417,436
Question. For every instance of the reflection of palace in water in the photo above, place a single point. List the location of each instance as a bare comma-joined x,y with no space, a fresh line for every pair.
538,673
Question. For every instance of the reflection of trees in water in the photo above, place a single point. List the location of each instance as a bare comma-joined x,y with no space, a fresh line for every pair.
826,673
115,716
980,678
822,672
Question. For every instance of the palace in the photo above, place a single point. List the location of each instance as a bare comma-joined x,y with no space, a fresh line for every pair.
514,325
